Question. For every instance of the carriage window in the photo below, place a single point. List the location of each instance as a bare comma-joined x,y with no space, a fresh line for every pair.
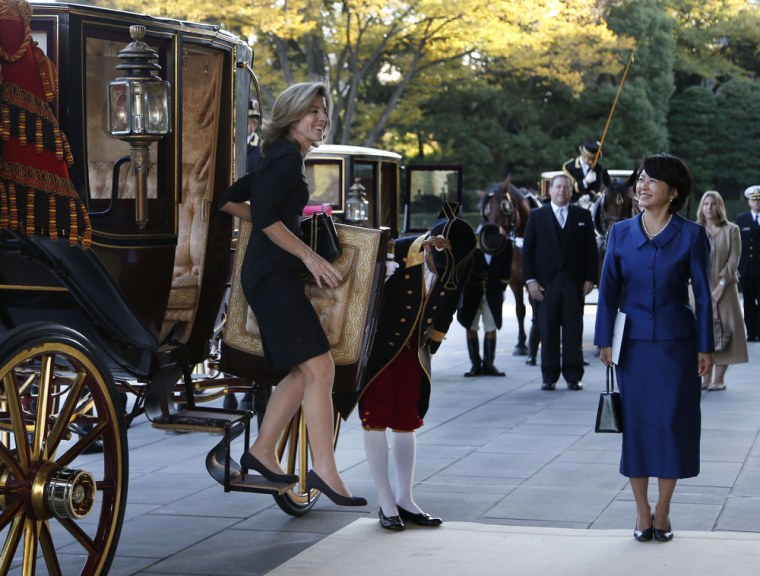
325,179
365,172
103,150
427,189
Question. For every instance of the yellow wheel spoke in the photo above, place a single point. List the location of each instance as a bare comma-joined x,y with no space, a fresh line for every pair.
48,551
77,449
65,415
8,459
44,399
30,548
17,419
12,540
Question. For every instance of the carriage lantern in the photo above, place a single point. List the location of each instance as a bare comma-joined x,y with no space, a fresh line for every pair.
357,205
139,111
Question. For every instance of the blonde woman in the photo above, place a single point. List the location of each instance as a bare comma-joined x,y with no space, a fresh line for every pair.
725,243
272,281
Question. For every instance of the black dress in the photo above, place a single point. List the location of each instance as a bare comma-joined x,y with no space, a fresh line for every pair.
271,277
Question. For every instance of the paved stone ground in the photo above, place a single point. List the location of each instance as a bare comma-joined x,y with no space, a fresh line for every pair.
492,451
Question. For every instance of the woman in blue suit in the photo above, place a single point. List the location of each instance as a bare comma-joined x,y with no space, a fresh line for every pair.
651,261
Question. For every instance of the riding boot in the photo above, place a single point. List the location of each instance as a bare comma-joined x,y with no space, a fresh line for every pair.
473,347
533,341
489,351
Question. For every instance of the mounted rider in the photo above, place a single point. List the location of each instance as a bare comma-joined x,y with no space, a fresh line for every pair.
588,176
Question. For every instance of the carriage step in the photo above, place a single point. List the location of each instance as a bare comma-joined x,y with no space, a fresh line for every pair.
209,420
256,483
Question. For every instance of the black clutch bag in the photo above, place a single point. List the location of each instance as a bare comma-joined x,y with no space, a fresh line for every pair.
319,233
609,414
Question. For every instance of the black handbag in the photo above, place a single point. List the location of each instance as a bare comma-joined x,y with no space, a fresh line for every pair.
609,414
319,233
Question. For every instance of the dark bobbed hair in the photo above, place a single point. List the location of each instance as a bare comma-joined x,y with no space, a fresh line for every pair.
674,172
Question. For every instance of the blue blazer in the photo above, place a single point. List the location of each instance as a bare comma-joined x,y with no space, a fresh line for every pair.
649,281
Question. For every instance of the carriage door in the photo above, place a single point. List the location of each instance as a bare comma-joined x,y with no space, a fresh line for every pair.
140,260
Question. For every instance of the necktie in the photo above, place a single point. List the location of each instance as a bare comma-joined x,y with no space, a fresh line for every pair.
757,219
561,217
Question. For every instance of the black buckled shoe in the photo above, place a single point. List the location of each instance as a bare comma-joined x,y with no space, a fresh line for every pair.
575,385
548,386
421,519
394,523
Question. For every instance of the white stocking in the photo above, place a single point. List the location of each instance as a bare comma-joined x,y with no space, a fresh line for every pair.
376,448
404,458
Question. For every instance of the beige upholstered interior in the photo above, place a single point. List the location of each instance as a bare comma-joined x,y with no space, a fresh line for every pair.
200,103
342,310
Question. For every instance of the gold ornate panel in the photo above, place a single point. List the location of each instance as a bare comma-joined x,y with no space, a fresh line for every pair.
342,310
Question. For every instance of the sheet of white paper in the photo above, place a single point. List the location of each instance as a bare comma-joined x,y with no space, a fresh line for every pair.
617,336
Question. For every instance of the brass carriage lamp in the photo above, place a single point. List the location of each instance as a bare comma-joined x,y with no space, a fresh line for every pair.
357,205
139,111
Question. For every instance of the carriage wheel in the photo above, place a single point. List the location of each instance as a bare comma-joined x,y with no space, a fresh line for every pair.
295,457
61,510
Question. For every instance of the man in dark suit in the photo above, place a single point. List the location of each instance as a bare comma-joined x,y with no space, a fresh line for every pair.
560,265
418,304
749,262
588,178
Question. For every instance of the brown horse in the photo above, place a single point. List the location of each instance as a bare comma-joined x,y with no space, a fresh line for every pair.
507,207
617,202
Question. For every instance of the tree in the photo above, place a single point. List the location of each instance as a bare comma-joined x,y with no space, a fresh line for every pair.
736,163
692,120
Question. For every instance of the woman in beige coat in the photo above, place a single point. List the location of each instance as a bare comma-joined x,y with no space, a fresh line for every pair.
724,260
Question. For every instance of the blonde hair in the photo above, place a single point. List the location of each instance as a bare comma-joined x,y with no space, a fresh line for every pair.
721,206
292,105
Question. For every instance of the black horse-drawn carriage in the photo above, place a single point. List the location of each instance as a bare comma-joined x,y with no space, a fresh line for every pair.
101,325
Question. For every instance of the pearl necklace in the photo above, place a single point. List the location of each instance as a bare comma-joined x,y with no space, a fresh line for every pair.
648,233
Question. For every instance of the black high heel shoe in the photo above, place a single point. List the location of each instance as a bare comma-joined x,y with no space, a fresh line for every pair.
643,535
250,462
663,535
313,481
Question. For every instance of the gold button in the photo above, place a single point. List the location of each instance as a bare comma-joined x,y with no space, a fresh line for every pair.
429,320
406,276
403,320
408,307
409,292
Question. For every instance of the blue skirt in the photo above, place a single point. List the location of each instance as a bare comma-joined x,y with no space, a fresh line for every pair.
660,391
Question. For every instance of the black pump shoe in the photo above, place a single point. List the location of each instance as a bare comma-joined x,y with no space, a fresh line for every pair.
663,535
314,481
643,535
250,462
394,523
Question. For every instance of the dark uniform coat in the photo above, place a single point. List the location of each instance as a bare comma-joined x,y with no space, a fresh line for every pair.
574,169
252,153
486,278
404,308
749,272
